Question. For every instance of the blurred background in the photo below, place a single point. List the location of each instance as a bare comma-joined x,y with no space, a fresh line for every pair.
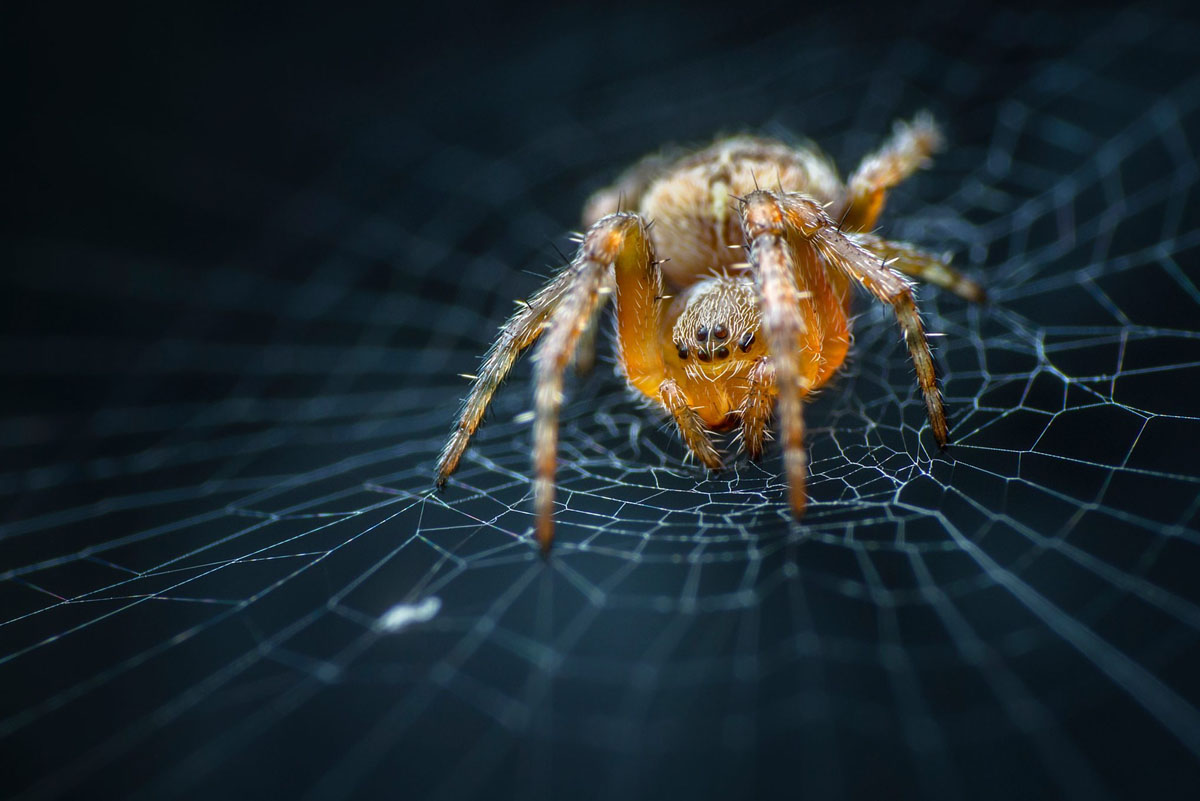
248,253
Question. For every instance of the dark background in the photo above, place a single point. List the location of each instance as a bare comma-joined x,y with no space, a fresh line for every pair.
247,254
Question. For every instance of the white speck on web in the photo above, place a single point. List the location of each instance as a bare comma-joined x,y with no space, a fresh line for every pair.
402,615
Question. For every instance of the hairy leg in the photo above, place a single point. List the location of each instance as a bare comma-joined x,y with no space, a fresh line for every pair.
518,333
908,149
691,427
757,406
639,300
811,222
619,240
922,265
783,325
828,322
585,351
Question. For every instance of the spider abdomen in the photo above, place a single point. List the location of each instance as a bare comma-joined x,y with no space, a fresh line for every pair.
694,203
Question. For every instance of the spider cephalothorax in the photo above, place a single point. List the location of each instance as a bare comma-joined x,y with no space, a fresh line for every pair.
732,304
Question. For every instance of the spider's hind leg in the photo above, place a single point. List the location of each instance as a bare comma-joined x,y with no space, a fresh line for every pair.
908,149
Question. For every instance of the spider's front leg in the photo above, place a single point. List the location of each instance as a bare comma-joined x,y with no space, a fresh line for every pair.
639,301
784,309
619,240
811,222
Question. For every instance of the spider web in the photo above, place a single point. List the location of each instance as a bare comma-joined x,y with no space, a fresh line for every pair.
224,572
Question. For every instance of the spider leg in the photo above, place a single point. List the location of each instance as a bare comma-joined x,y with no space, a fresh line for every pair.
811,222
585,351
921,264
619,240
908,149
639,290
756,408
518,333
771,257
691,427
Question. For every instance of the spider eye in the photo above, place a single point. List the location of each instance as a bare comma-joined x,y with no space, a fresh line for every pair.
720,331
683,351
702,334
703,356
747,340
722,352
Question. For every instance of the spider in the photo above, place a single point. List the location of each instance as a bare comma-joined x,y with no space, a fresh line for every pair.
731,300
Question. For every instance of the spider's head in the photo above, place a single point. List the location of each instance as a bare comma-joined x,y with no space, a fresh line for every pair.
719,322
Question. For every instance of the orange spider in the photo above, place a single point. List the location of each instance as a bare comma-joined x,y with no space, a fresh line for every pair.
713,338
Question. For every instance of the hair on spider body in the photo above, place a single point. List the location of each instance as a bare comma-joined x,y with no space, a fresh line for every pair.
728,315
